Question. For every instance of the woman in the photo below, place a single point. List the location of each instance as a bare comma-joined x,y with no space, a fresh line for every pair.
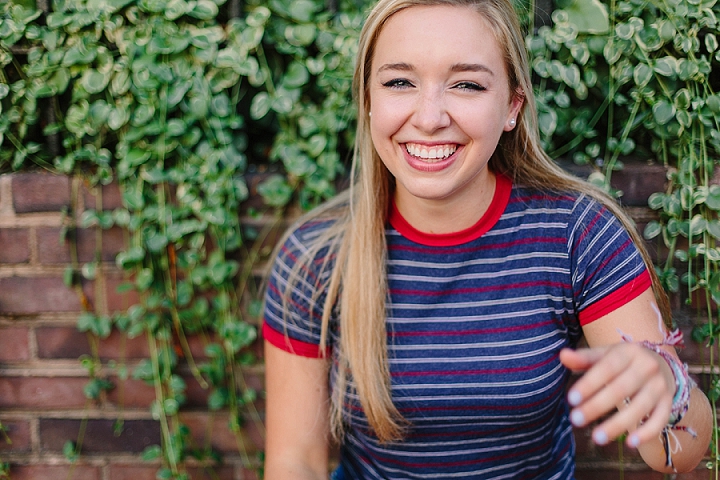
426,318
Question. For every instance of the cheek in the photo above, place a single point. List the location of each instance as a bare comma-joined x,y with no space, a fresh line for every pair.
388,114
384,123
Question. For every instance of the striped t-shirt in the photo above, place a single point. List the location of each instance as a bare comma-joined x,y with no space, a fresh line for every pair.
476,321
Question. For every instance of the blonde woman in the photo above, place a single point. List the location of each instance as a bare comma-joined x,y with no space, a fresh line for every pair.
426,320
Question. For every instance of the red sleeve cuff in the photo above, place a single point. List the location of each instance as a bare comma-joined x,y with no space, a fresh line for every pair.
290,345
616,299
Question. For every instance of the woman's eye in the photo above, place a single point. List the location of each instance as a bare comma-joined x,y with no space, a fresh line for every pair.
397,83
469,86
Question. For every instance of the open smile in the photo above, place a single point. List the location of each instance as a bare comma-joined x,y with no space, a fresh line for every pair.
435,153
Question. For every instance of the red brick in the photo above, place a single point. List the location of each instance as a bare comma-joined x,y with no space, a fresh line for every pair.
250,474
140,472
637,179
212,429
100,435
607,473
116,301
132,472
215,473
635,472
61,342
131,393
68,342
54,472
111,197
40,192
51,250
42,392
696,353
18,431
15,344
15,245
26,295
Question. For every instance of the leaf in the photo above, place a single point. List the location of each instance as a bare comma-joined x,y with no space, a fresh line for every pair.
652,230
258,16
642,74
713,103
571,76
663,112
300,35
713,228
144,279
260,105
170,406
137,157
93,81
296,76
698,225
711,42
204,10
275,191
302,10
69,451
119,117
588,16
666,66
176,9
151,453
217,399
548,122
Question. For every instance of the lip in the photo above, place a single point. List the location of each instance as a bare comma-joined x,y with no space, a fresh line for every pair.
430,166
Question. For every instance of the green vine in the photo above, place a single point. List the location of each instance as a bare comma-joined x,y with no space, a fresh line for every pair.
644,85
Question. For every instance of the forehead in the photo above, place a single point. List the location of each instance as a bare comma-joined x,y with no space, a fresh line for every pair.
436,35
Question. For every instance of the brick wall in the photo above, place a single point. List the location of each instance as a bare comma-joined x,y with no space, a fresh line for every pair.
42,404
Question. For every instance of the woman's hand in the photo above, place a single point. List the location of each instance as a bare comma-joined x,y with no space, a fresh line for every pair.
615,370
629,377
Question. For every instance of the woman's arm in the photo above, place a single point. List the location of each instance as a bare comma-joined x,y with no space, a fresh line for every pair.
616,370
297,416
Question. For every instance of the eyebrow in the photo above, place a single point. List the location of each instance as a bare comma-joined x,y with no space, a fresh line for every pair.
470,67
456,67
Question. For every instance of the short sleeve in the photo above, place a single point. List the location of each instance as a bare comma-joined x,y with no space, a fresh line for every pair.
608,271
293,302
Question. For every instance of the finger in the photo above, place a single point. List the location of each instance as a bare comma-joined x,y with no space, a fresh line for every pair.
606,398
605,368
644,408
653,425
581,359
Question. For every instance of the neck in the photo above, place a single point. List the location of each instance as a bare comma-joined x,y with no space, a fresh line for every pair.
446,215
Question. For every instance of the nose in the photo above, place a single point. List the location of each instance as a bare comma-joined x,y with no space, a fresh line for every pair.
431,113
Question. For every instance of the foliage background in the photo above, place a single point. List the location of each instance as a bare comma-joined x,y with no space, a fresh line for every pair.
188,105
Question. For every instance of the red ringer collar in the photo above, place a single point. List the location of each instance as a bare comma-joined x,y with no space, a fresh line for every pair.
503,187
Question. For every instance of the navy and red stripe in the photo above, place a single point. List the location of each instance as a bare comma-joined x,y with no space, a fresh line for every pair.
475,323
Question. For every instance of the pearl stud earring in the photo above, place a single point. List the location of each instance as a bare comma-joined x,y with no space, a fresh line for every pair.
512,122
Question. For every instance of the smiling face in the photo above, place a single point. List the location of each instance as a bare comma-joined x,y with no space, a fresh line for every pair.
440,101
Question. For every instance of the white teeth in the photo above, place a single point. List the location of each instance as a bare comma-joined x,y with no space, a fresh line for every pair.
439,152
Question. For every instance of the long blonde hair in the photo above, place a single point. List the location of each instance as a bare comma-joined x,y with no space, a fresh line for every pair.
357,234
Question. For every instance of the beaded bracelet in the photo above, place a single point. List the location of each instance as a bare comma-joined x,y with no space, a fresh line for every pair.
683,385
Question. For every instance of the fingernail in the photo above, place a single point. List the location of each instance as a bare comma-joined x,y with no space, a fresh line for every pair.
577,418
600,437
574,398
633,441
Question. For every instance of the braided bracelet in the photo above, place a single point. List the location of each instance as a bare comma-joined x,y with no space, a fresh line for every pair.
683,385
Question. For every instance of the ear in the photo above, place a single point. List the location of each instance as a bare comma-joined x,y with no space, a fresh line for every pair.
516,103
